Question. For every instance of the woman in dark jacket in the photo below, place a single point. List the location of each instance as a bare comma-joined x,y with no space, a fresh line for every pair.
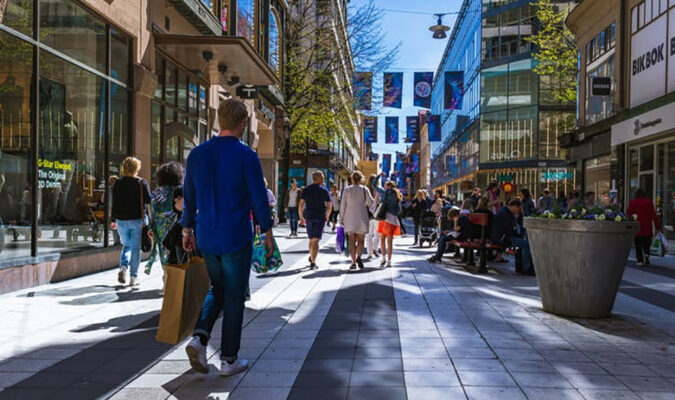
643,207
419,205
528,203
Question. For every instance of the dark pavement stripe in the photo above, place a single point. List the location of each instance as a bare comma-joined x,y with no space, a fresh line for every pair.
357,348
651,296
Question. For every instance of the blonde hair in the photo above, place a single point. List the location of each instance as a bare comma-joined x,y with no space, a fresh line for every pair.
130,166
230,114
420,193
357,177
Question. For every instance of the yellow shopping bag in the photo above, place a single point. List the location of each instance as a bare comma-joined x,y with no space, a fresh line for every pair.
186,287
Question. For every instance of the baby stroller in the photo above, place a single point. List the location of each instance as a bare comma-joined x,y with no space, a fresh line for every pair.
428,228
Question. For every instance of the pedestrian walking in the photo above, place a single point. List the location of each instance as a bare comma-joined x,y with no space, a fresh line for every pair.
335,205
272,201
223,183
316,200
131,201
493,197
354,208
528,203
292,199
419,205
390,198
373,237
163,216
643,207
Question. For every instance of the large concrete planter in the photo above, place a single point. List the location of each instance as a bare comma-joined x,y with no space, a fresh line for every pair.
579,264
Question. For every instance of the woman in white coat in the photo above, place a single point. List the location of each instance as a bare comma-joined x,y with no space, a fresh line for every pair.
356,199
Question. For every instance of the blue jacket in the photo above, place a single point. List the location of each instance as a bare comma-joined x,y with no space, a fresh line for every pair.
223,183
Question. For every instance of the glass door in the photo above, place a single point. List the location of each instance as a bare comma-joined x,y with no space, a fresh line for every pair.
665,187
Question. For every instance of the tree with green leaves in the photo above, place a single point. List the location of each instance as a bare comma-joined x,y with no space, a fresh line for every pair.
555,50
323,49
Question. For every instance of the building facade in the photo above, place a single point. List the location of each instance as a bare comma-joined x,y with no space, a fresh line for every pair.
625,135
85,83
507,128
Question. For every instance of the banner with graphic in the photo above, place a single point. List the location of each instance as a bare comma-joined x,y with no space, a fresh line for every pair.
414,163
370,130
386,163
454,90
363,90
412,133
393,89
422,89
434,128
391,130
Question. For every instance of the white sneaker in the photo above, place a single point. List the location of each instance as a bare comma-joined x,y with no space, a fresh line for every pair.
196,352
383,262
389,264
227,369
133,281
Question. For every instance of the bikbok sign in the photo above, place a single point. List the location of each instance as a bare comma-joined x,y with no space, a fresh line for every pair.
653,60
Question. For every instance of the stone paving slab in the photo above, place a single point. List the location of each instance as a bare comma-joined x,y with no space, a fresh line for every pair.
415,331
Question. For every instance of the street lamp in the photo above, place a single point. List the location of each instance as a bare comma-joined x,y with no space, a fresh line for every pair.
439,29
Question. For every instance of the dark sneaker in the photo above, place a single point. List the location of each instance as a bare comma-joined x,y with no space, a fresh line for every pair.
360,263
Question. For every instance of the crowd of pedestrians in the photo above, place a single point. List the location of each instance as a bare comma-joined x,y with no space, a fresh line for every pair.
195,211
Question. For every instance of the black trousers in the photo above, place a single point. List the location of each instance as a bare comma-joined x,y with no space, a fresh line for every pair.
417,230
642,245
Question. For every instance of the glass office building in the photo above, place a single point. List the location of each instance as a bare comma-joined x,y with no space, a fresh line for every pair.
507,129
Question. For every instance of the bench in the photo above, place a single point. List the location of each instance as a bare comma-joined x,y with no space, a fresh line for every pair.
483,243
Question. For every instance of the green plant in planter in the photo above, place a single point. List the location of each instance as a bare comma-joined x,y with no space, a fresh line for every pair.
592,213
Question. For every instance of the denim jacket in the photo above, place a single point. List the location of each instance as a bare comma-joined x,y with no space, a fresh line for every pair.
388,197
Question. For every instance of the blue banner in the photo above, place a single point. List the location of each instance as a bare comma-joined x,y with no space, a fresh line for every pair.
412,133
415,163
434,128
370,130
422,89
454,90
393,89
386,163
391,130
363,90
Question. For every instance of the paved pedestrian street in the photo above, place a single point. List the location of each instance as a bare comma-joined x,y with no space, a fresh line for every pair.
414,331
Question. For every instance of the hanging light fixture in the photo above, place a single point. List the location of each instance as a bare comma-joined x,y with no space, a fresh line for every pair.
439,29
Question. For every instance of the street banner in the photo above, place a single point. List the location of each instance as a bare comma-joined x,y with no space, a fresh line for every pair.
412,133
398,165
451,165
415,163
373,156
393,89
386,163
454,90
422,88
434,128
391,130
363,90
370,130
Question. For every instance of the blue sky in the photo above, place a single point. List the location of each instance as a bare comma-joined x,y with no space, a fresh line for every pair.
418,52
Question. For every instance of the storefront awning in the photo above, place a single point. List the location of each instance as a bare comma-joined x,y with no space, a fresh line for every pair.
234,52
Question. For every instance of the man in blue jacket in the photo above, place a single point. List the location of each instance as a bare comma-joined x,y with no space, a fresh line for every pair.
223,184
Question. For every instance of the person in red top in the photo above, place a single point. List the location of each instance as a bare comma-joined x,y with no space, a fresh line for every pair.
643,207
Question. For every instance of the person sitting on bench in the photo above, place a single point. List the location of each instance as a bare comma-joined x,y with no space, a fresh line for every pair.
507,232
460,229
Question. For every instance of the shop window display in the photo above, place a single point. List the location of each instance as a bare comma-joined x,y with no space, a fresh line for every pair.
15,146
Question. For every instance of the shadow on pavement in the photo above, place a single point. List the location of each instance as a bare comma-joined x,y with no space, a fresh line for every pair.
96,371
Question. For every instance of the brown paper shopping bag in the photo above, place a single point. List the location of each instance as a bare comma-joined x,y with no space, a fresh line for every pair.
186,287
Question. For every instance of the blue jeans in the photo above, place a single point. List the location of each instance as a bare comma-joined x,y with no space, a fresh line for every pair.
130,236
229,279
525,246
442,245
293,217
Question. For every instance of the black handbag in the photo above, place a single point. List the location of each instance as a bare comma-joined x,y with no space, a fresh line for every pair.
146,238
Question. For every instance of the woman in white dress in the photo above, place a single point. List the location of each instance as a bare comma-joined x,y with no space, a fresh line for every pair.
356,199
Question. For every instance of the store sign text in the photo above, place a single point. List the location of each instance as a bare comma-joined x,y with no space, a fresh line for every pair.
649,59
51,173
